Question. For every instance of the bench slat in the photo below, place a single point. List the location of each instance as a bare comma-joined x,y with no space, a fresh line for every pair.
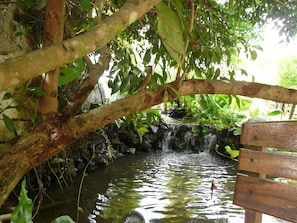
272,164
269,197
278,134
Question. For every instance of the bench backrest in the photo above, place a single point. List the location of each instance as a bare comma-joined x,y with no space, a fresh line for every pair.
267,178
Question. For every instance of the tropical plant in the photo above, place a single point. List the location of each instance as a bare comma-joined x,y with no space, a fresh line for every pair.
142,120
287,73
151,48
220,111
23,211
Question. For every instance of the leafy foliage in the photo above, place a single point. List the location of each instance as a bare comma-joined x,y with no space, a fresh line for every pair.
23,211
209,47
8,122
288,71
196,39
69,74
12,105
142,120
170,31
110,152
220,111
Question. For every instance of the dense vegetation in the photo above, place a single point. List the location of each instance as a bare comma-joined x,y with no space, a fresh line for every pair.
55,52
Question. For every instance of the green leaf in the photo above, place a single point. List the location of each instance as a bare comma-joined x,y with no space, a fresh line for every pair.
180,11
147,57
28,3
79,63
33,118
115,85
238,102
170,30
233,153
63,219
57,160
125,86
7,96
275,113
37,91
41,3
153,111
23,211
140,131
19,34
85,5
237,132
217,73
8,123
176,92
165,97
254,54
244,72
69,74
18,107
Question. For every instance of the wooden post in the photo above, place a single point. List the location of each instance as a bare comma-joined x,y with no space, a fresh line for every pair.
252,216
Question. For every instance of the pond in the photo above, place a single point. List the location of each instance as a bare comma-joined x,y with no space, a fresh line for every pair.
162,186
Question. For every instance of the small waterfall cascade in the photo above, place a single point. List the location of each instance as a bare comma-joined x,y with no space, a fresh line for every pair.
181,137
210,141
165,141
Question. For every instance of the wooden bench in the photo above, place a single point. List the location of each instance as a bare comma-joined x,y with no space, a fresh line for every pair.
267,179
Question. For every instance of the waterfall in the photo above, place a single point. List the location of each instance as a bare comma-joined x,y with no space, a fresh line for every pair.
181,137
166,141
210,141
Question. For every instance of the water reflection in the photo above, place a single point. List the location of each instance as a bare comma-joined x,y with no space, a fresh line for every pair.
173,187
163,187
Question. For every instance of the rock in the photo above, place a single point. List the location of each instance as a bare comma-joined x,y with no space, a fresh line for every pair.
178,113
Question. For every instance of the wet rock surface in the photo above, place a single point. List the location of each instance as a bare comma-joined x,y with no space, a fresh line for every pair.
103,146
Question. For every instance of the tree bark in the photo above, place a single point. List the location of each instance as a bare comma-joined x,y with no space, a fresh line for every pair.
54,30
16,71
32,149
81,94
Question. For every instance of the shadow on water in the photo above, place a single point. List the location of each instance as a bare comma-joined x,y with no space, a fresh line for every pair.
162,186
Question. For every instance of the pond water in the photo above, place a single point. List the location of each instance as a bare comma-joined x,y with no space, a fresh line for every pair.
162,186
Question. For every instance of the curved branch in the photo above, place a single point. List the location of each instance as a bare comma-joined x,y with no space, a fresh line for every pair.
18,70
147,98
32,149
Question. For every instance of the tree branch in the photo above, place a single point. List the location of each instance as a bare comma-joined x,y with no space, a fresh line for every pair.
54,30
95,72
33,64
32,149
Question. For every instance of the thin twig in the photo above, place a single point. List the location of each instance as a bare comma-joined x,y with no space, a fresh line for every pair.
81,185
147,79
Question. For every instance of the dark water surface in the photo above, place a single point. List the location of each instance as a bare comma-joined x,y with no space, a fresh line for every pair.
162,186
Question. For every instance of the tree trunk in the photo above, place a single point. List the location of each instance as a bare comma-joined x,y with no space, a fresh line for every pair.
35,63
32,149
47,139
53,34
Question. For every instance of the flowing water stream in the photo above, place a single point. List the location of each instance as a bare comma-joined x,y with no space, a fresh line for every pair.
162,186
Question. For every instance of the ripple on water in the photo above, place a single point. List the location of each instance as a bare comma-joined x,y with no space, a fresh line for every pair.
175,187
163,187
